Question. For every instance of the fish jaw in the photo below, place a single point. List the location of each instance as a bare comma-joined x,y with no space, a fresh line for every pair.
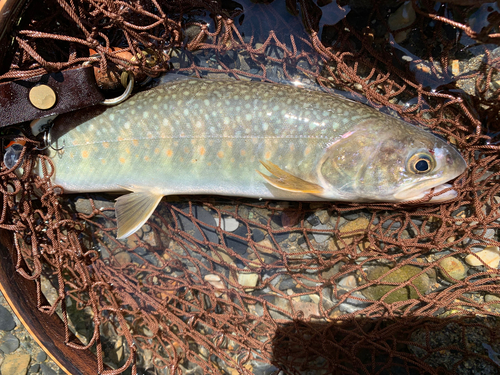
440,193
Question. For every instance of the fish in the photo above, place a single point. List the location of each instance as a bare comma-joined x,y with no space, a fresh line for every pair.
190,136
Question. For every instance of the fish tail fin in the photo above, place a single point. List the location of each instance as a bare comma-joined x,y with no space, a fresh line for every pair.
133,210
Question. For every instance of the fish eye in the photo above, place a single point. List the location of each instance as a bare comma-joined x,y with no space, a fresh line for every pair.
421,162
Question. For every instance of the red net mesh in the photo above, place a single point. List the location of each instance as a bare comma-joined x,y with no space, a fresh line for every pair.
316,288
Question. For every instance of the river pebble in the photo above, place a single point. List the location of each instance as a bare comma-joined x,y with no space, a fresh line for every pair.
229,224
9,343
490,256
377,292
455,268
359,224
7,322
41,356
205,217
321,237
403,17
46,370
348,283
15,364
248,279
492,298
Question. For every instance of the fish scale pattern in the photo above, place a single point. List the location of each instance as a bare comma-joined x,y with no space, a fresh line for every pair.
226,286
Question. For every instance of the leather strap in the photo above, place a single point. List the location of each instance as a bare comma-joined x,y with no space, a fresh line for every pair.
73,89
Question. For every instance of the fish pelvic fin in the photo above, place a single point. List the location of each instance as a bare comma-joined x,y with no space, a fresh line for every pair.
133,210
287,181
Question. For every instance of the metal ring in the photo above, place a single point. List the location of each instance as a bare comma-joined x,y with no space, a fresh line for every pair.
124,96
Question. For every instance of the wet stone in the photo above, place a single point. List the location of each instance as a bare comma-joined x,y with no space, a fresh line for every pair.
46,370
41,356
359,224
490,256
313,220
7,322
258,235
15,364
34,369
205,217
287,283
376,292
392,224
321,237
280,237
229,224
348,282
82,204
9,343
492,298
455,268
123,258
248,279
237,244
351,215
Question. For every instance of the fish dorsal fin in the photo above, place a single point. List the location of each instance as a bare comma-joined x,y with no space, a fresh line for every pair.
286,181
133,210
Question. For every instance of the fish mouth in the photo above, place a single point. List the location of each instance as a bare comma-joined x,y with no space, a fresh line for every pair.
440,192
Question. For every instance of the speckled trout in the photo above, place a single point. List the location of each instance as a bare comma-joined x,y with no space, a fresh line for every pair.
245,139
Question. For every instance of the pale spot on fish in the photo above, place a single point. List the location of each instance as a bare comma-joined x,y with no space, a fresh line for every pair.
226,120
230,144
103,161
307,151
268,155
105,144
220,154
157,150
146,158
265,126
169,153
186,150
243,152
126,125
122,160
201,150
206,102
135,142
186,112
120,139
85,154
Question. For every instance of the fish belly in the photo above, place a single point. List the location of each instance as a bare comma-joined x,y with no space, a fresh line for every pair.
201,137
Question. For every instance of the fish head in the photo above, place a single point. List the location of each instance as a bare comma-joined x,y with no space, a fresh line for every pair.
386,159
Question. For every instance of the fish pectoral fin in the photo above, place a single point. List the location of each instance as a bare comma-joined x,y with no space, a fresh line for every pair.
133,210
287,181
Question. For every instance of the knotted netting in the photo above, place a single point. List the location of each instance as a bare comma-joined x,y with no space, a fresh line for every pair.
227,286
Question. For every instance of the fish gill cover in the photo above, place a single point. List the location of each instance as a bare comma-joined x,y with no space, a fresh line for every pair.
224,286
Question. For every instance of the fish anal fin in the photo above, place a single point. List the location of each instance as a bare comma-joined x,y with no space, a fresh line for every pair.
287,181
133,210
